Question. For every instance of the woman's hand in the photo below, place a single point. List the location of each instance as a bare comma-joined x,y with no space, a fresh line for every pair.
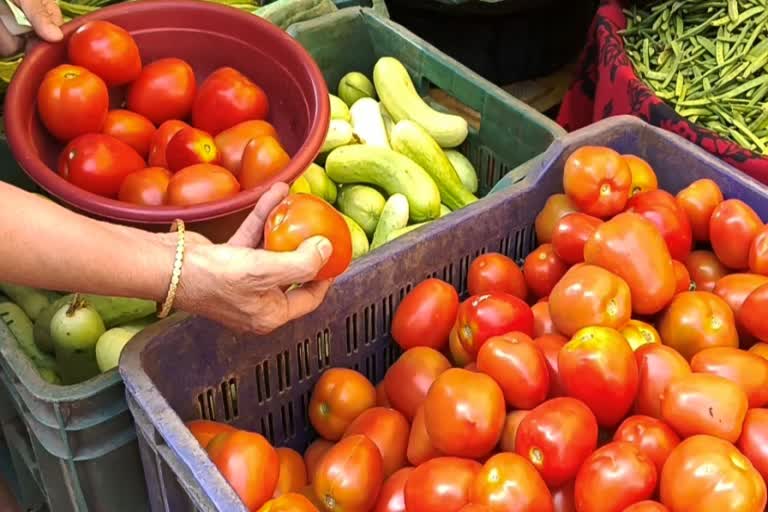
242,286
45,18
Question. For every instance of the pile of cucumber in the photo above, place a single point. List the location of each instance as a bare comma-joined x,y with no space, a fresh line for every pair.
390,166
71,338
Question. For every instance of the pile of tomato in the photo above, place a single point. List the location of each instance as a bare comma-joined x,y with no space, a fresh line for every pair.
622,367
171,142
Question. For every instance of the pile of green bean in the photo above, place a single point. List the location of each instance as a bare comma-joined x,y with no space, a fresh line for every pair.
708,59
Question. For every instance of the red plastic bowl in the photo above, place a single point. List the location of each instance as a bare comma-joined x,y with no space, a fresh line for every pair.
208,36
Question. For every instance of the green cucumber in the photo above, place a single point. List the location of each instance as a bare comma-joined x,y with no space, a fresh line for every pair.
390,171
393,217
32,301
301,186
110,345
464,169
362,204
402,231
339,109
339,134
444,210
320,184
360,245
389,124
50,376
368,123
355,85
413,141
285,13
21,327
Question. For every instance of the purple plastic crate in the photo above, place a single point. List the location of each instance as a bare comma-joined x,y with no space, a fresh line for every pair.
187,368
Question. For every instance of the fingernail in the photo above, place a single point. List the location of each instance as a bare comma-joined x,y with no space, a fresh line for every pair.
325,248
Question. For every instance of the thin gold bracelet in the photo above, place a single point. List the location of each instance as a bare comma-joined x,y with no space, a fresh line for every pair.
178,226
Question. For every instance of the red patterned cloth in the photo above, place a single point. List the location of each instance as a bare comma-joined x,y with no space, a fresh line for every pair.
606,85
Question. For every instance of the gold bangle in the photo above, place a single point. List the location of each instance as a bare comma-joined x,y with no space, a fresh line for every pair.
178,226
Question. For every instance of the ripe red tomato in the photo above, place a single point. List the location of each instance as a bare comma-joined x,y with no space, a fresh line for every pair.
98,163
392,495
639,333
563,499
542,319
107,50
647,506
660,207
226,98
557,206
350,475
518,366
147,187
598,367
164,90
190,146
758,253
707,474
231,142
131,128
621,472
682,277
631,247
381,396
409,379
556,437
291,502
509,432
543,269
698,320
699,200
389,430
440,485
263,159
495,272
426,315
201,183
749,371
508,482
204,430
700,403
250,464
597,180
302,216
292,475
643,177
474,507
339,397
732,228
550,345
760,349
420,447
588,295
658,365
72,101
705,270
753,442
464,413
652,436
459,356
314,455
571,233
483,316
753,313
160,140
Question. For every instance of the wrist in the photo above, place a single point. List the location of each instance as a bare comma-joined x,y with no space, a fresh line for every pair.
196,278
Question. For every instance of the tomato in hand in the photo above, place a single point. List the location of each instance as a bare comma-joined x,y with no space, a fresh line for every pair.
250,464
72,101
483,316
753,313
292,476
682,277
98,163
586,296
426,315
542,319
107,50
758,253
314,455
753,442
440,485
227,98
705,270
160,139
190,146
350,475
643,177
707,474
556,437
508,482
518,366
598,181
205,430
732,228
598,367
698,320
509,432
699,200
700,403
147,187
339,397
420,448
201,183
647,506
131,128
543,269
164,90
749,371
613,478
392,495
464,413
263,159
291,502
639,333
550,345
652,436
556,207
389,430
232,141
495,272
302,216
660,207
571,233
658,365
408,380
631,247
